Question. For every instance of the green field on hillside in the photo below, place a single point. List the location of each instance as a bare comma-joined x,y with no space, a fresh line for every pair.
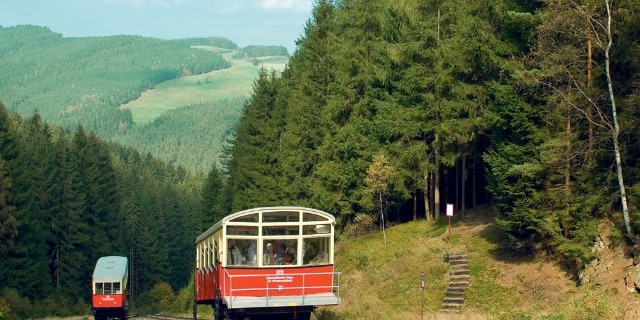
233,82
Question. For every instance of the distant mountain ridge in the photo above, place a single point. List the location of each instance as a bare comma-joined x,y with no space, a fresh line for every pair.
84,81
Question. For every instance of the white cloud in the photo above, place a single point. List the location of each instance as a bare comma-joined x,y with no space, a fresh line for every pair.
300,5
225,6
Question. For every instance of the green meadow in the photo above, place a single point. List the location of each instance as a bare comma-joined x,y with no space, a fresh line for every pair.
233,82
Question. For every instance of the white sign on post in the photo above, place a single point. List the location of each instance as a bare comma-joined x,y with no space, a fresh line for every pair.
449,210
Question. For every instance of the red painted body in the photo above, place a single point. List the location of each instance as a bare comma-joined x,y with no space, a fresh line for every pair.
264,282
99,301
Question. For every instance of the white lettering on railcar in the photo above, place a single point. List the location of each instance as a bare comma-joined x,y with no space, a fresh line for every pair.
280,279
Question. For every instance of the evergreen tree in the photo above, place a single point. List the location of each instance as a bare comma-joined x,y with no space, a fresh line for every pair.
8,223
304,95
71,235
213,206
32,250
254,164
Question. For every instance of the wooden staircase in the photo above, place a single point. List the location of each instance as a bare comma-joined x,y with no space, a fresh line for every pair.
459,281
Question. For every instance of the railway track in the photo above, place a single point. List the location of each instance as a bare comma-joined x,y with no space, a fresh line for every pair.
157,317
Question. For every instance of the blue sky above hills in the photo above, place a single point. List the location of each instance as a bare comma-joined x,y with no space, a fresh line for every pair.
245,22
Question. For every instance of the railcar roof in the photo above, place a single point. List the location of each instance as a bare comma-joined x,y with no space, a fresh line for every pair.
110,269
217,226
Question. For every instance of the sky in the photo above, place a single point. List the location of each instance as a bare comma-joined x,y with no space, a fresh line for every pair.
245,22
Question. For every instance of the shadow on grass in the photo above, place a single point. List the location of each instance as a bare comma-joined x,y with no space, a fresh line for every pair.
486,219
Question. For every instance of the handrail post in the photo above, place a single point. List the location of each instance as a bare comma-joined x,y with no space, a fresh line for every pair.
304,286
266,279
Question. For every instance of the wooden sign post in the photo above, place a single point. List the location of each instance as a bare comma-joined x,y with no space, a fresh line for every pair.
422,300
449,215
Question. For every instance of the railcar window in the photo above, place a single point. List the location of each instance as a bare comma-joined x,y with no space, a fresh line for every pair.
242,230
213,256
316,229
281,231
205,255
308,216
200,255
316,250
99,288
108,288
280,252
281,216
246,218
116,287
242,252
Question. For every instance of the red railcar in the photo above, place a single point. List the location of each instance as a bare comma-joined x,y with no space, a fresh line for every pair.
109,288
268,263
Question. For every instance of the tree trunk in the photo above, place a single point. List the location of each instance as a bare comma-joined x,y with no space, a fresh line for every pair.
458,178
427,193
616,127
384,235
436,186
589,105
464,183
474,199
415,203
567,172
569,146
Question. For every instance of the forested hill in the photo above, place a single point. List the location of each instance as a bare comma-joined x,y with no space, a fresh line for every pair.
72,81
392,109
67,199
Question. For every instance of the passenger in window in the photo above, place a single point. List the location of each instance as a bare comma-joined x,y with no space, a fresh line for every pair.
270,254
289,256
281,253
321,257
251,254
235,253
310,252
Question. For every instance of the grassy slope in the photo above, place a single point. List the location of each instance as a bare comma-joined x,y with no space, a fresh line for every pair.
383,281
236,81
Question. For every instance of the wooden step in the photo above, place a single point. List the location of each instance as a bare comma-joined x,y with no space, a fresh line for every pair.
454,300
459,284
455,291
459,272
459,278
455,256
459,262
450,307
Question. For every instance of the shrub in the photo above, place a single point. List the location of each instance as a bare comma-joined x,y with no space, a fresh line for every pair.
363,224
19,307
159,298
363,260
4,308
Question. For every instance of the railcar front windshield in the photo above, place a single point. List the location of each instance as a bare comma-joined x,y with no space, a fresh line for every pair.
107,288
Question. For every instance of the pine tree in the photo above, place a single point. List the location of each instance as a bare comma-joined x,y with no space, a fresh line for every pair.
212,204
304,96
254,163
8,222
71,235
32,250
